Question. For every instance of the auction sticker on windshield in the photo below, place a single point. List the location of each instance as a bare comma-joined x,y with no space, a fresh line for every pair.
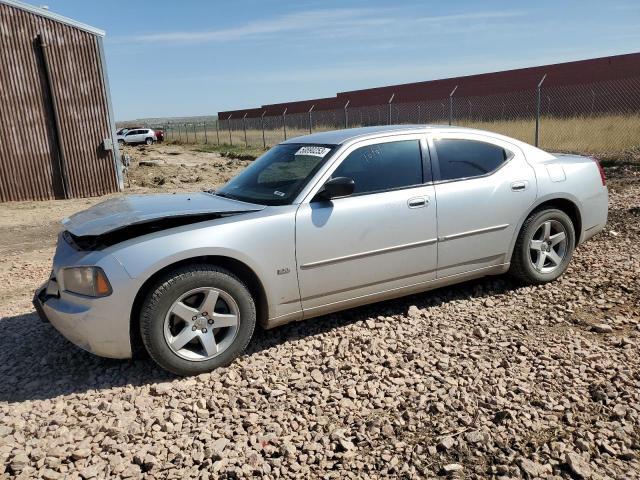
314,151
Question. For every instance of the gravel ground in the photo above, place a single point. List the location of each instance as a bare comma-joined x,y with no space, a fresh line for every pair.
485,379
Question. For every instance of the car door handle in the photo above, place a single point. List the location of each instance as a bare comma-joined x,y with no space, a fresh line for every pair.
418,202
519,186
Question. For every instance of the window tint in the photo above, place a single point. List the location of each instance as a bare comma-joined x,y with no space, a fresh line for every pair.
468,158
383,166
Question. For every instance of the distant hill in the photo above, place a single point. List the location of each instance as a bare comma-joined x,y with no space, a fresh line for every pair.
159,121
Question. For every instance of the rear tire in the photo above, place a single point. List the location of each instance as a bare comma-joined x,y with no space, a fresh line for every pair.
187,319
149,141
544,247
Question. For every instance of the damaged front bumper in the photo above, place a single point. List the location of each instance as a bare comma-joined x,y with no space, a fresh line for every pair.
89,327
38,299
98,325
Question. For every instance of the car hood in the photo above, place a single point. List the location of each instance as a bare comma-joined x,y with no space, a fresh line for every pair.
126,211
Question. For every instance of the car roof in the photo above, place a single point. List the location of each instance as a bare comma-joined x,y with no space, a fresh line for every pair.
347,135
338,137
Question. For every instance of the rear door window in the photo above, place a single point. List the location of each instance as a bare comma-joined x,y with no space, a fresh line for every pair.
383,166
460,158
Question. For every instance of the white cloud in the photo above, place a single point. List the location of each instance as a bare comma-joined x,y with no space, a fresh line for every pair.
339,22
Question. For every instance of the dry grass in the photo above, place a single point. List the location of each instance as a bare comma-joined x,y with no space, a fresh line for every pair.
610,134
600,135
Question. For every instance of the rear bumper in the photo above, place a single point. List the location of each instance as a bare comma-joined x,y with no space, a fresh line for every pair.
595,212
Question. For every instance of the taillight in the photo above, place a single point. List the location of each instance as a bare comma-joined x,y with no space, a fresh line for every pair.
603,177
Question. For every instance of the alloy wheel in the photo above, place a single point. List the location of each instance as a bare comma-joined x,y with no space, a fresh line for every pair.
201,324
548,246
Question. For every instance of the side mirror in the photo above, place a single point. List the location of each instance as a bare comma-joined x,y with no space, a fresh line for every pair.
336,187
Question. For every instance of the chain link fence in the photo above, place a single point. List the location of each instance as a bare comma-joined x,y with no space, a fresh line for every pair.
595,118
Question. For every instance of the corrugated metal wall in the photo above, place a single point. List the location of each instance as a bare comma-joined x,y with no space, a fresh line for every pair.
30,163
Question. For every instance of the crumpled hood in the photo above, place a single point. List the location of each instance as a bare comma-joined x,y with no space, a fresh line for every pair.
128,210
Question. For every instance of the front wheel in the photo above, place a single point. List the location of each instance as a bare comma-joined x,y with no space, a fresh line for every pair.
197,318
544,247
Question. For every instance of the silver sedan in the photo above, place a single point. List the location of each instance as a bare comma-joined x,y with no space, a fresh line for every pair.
319,223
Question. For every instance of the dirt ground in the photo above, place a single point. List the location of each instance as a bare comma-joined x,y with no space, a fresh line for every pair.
487,379
28,230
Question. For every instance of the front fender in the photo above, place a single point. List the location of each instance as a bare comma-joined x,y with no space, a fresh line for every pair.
264,242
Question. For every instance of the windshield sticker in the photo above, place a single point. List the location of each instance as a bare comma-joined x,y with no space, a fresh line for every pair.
313,151
279,193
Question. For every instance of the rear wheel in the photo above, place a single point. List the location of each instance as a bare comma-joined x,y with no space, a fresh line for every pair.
544,247
196,319
149,141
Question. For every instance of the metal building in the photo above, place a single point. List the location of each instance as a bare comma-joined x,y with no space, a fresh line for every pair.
604,69
57,131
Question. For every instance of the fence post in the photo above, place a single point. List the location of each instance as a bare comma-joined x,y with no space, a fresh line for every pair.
451,104
310,119
539,89
244,127
346,115
179,133
229,125
204,126
218,131
390,100
284,123
195,136
186,132
264,141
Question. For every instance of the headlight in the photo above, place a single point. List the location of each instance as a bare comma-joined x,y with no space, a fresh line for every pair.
89,281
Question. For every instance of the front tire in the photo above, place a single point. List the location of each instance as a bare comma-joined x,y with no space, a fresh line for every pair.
544,247
196,319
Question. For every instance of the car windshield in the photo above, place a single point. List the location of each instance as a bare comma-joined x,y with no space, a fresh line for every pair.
279,175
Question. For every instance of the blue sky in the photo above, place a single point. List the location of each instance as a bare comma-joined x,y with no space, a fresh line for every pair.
184,58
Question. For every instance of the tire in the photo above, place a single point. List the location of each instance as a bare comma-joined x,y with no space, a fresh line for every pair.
149,141
526,262
166,319
121,142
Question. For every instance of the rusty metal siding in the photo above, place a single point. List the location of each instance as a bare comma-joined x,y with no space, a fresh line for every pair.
28,156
